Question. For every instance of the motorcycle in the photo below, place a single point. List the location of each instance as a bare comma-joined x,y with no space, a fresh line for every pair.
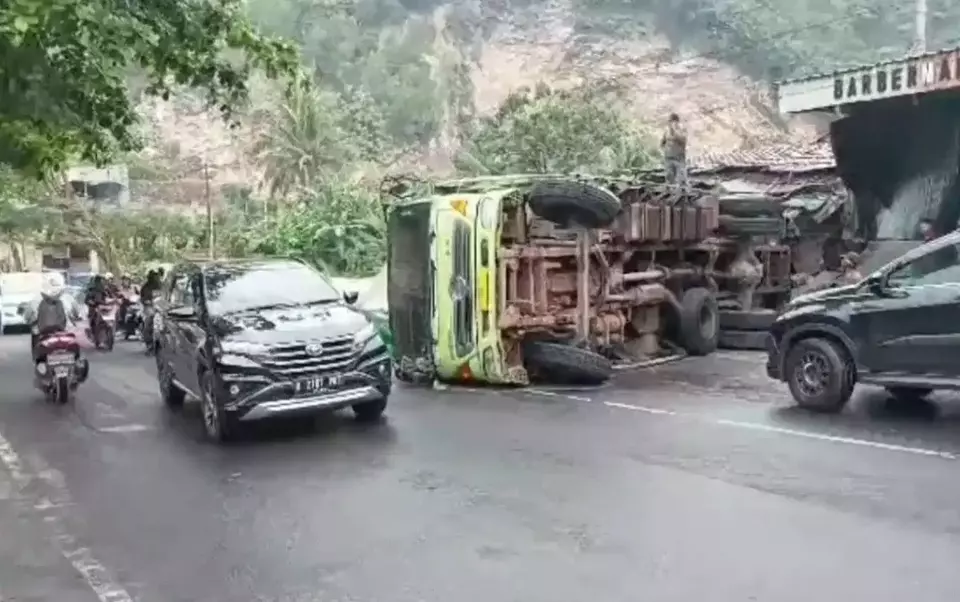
104,332
132,317
59,368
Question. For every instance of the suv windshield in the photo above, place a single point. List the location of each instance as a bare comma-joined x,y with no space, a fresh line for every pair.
247,286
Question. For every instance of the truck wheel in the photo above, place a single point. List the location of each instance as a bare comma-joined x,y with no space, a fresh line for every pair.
909,394
752,340
699,321
565,364
752,320
819,375
569,203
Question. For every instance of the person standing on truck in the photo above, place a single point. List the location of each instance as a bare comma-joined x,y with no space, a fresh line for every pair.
673,144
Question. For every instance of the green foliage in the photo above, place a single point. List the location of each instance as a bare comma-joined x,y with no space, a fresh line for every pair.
404,69
550,132
66,64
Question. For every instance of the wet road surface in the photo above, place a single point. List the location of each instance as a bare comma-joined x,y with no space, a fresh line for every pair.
692,482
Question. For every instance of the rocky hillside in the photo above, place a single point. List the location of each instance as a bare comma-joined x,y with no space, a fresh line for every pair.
724,111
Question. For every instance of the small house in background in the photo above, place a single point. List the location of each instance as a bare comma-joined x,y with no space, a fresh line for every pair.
801,181
105,186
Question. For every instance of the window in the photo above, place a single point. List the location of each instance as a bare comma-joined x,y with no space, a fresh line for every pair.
462,288
939,266
181,293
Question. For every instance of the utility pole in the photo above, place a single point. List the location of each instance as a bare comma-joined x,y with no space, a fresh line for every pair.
921,25
209,202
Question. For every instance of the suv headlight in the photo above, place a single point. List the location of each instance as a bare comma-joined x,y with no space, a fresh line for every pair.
241,354
244,348
367,339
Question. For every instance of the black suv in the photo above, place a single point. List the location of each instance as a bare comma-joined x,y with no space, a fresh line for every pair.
256,339
898,328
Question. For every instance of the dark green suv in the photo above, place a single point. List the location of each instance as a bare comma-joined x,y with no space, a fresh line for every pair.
899,328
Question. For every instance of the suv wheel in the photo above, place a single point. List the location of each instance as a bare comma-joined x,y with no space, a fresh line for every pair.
171,394
370,411
218,425
820,375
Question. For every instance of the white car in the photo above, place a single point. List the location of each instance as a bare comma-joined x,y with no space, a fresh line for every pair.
17,288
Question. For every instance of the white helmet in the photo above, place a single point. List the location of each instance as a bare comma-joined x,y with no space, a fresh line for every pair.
53,284
108,275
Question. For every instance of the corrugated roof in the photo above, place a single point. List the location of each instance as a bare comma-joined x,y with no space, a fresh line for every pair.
852,68
780,158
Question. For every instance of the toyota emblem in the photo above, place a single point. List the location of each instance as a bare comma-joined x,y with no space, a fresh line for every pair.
314,349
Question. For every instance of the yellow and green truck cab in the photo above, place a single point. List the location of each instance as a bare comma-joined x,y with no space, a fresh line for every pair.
442,286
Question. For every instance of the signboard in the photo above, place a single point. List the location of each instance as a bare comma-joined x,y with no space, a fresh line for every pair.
904,77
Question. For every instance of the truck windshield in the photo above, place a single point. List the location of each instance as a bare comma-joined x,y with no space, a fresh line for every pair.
463,287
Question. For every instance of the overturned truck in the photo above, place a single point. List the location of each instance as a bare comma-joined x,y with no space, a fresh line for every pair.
505,280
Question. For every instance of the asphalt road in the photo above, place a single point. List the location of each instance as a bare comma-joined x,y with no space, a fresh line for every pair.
691,482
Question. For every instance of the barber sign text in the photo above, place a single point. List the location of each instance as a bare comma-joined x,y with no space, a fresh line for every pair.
900,78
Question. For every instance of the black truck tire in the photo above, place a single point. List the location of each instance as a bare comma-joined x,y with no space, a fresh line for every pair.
754,320
565,364
750,340
569,203
750,226
749,205
699,321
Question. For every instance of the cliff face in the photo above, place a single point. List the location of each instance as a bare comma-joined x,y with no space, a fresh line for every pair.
723,110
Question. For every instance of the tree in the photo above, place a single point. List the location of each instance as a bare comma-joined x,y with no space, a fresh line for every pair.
66,64
546,131
303,141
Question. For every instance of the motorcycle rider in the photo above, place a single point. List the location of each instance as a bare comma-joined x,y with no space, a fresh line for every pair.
96,296
125,293
51,313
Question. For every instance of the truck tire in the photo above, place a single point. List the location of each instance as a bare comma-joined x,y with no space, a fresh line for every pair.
750,226
569,203
750,340
562,363
749,205
755,320
699,321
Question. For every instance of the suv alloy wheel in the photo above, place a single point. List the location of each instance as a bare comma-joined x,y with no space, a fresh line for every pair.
819,375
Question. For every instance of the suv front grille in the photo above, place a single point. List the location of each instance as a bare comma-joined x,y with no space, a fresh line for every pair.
292,359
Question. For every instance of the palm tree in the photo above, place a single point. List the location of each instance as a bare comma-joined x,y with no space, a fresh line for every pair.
302,141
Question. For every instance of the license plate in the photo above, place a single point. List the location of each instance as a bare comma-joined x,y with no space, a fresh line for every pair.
61,371
60,358
315,385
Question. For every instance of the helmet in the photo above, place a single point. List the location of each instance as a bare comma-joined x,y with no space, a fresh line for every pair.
108,275
53,284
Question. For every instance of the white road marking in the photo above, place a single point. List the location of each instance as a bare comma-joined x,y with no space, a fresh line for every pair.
836,439
627,406
93,572
125,428
919,451
546,393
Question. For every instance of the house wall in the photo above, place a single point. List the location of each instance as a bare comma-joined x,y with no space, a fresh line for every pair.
900,158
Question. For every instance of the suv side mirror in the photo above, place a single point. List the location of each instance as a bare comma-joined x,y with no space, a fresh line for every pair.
351,296
877,285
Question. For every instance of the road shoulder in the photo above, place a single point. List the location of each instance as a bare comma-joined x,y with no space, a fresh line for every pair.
32,567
